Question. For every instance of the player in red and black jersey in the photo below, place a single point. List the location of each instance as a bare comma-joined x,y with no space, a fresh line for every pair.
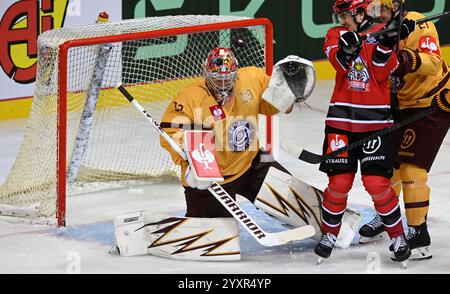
359,106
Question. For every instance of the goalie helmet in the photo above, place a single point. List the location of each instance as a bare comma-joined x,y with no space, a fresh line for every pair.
220,71
351,7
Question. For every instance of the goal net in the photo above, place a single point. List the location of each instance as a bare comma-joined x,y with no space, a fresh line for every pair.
81,131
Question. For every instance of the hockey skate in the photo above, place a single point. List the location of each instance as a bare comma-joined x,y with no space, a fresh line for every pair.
419,242
325,246
399,246
372,231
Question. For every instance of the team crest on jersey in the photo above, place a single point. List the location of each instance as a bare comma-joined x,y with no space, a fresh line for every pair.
429,45
246,96
371,40
217,112
241,134
358,77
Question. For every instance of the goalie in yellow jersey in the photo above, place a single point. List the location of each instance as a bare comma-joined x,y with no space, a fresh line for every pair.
223,105
421,81
228,101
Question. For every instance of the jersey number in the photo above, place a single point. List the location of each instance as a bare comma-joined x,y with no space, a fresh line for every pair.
178,107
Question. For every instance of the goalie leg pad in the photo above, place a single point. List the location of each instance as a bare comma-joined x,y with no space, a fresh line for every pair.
289,200
186,238
297,203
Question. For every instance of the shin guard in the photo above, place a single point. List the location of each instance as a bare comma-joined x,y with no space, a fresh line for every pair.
335,202
416,193
386,203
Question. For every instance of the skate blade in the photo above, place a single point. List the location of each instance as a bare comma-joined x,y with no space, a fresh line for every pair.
404,262
366,240
319,260
421,253
114,250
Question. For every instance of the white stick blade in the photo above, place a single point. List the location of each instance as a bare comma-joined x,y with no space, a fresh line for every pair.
285,237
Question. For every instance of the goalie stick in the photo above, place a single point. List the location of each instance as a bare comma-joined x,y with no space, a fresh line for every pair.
264,238
313,158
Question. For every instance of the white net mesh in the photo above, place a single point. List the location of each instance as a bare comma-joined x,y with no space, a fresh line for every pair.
107,139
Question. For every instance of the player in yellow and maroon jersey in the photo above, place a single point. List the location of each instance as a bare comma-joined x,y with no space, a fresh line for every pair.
227,101
421,80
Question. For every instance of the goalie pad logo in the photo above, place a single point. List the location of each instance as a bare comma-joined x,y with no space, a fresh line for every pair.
241,134
203,156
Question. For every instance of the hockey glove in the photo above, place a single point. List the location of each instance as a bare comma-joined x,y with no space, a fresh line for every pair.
409,61
408,26
350,45
389,41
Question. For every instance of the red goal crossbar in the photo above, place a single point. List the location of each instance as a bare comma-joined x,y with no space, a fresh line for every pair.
61,167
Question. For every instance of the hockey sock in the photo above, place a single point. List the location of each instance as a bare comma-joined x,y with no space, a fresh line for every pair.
386,203
396,182
335,202
416,193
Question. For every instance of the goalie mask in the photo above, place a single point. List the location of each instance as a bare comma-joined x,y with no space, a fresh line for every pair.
220,71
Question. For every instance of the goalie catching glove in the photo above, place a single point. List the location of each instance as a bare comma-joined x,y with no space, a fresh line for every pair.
292,81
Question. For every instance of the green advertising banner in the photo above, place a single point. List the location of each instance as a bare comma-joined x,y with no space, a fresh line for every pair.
299,25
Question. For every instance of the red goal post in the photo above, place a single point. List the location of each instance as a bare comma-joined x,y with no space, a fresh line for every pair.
70,66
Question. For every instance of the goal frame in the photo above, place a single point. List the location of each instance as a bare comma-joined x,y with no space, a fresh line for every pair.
61,168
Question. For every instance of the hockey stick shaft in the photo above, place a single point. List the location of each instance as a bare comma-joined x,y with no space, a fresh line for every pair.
419,21
152,121
264,238
316,158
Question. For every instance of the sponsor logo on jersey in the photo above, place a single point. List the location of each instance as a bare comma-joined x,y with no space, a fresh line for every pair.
337,141
429,45
246,96
372,146
217,112
408,139
358,77
203,155
20,27
241,134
